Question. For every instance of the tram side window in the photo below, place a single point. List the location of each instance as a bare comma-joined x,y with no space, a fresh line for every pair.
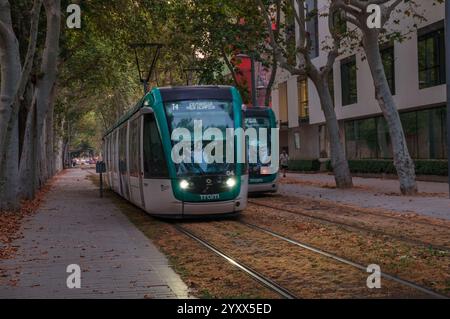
122,149
105,152
134,147
113,152
108,154
155,165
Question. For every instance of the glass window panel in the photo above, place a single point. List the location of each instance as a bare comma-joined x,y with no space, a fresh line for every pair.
312,27
283,102
155,165
350,140
383,139
409,123
134,147
431,56
367,138
348,81
424,134
303,102
122,149
437,133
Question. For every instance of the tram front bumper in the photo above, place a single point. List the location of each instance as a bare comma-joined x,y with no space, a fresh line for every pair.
263,187
213,208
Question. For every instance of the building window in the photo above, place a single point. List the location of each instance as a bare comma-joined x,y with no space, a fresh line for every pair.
431,47
303,102
388,57
425,133
348,81
297,140
283,102
312,27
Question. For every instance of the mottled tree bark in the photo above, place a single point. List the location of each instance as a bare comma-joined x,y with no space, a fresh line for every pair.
9,135
402,159
356,14
339,161
305,68
45,83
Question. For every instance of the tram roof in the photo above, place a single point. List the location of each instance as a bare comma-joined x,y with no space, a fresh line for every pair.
176,93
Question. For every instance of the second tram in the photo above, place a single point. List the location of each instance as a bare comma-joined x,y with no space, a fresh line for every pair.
261,178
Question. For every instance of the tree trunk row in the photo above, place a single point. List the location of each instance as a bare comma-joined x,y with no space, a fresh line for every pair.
27,145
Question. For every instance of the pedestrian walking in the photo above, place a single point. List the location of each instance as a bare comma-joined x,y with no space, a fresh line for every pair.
284,162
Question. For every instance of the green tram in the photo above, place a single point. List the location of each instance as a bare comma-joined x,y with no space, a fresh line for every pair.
261,178
138,152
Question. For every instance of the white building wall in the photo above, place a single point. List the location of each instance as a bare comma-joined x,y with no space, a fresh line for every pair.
276,102
408,95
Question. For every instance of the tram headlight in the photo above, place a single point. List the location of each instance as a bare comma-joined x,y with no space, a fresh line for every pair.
184,184
231,182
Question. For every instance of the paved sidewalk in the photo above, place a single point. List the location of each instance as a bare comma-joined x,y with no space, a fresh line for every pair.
75,226
374,193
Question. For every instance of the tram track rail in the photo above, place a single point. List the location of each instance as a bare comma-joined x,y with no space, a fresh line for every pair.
276,287
265,281
342,260
354,227
282,291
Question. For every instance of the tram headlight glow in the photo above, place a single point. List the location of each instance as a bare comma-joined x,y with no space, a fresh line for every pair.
184,184
231,182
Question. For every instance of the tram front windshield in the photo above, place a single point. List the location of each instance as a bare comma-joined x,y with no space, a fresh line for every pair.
259,122
210,114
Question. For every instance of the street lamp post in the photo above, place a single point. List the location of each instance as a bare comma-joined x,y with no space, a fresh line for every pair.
447,63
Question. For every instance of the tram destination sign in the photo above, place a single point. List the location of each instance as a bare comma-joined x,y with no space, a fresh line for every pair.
195,106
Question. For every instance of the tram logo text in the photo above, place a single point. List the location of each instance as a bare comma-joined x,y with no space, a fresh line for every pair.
210,197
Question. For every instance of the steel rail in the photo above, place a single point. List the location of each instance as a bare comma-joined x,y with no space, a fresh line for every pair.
346,261
267,282
356,227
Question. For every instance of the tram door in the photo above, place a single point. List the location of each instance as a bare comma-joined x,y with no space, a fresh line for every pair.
123,163
114,157
134,155
157,186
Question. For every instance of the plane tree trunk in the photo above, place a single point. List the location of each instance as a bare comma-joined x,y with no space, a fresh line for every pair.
356,14
339,161
46,82
319,76
9,135
402,159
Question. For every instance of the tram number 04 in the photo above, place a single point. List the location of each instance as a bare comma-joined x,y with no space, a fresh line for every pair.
246,308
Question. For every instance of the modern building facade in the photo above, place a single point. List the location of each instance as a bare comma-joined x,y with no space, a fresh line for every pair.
415,69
